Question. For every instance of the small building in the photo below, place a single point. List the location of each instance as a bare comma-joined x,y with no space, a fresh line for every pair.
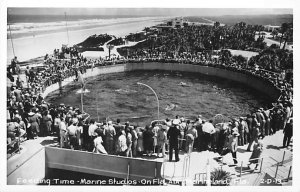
177,22
164,28
271,28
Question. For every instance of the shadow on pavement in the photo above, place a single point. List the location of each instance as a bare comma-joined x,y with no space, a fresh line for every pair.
273,147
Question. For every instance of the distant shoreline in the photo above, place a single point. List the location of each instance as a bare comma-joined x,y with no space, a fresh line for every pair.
77,28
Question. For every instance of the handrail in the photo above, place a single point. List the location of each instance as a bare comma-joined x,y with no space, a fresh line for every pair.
128,171
290,170
186,167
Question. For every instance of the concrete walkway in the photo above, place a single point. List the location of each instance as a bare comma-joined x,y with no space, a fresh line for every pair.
173,172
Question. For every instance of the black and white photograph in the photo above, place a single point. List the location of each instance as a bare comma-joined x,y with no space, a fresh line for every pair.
178,97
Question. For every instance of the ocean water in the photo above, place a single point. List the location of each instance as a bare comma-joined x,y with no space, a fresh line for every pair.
185,94
35,38
31,25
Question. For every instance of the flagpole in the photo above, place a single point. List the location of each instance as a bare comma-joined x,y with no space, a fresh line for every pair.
67,27
12,43
97,106
82,99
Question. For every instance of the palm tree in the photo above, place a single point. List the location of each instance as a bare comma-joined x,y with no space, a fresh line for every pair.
220,177
288,35
283,30
274,33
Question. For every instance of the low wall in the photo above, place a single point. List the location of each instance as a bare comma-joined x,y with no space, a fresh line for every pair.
31,172
246,79
99,164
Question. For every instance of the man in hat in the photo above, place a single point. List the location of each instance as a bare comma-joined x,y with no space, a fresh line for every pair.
261,119
71,132
109,133
173,134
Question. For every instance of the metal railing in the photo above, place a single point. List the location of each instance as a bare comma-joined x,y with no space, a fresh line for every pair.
186,168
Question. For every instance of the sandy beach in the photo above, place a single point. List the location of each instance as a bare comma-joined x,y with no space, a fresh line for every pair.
42,43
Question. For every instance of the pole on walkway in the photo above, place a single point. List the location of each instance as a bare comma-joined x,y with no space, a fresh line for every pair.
276,170
155,96
288,178
241,169
82,99
208,181
261,163
12,43
97,106
67,27
283,158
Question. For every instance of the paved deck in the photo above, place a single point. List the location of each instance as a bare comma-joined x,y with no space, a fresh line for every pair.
173,172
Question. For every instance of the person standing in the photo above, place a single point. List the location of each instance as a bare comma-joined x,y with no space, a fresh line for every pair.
128,142
14,63
155,129
173,135
62,132
121,146
71,132
134,140
162,140
148,140
191,135
254,133
109,133
56,125
140,144
33,120
208,130
98,147
243,130
47,122
288,133
257,150
233,144
92,134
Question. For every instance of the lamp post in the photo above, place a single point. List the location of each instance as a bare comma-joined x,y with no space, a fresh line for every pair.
155,96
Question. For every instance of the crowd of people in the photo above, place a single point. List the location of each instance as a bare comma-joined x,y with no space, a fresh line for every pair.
31,116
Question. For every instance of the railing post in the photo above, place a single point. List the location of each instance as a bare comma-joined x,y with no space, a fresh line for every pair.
283,158
261,163
276,170
241,169
288,178
128,169
189,165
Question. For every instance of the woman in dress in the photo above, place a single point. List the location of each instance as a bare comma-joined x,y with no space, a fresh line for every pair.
33,120
46,124
140,143
98,147
257,150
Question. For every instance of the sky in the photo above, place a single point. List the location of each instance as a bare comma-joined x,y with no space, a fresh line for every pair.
148,11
